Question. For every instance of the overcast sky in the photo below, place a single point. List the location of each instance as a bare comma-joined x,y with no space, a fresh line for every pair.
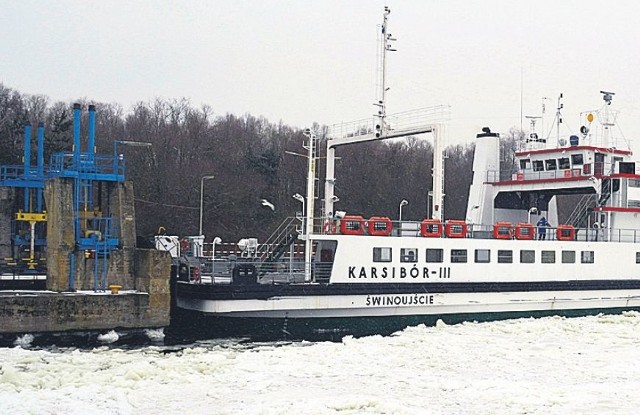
305,61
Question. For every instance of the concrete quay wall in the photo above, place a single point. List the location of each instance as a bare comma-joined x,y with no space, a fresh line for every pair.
143,304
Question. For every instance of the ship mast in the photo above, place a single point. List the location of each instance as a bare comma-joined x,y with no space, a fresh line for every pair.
311,195
385,46
425,120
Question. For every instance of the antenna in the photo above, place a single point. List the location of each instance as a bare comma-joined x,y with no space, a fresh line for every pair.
559,116
544,111
607,122
533,141
607,96
385,46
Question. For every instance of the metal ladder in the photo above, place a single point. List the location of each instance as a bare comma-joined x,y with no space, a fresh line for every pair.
587,203
281,239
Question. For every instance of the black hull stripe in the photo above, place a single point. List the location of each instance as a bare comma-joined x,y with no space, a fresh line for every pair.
256,291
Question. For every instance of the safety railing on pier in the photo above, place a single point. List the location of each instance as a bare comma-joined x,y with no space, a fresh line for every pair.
106,167
10,175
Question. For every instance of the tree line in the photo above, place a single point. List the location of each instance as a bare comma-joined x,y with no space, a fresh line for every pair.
249,157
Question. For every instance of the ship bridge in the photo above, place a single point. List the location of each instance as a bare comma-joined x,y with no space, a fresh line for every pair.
607,178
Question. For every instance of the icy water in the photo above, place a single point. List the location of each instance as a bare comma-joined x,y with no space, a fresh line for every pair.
588,365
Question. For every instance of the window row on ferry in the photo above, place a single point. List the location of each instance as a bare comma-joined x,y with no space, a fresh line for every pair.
483,256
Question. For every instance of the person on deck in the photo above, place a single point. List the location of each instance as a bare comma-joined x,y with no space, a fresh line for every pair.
542,228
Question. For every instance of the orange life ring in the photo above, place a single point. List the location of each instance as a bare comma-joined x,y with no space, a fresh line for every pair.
329,227
184,246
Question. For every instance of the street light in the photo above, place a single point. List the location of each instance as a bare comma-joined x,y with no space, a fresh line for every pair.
300,199
403,203
532,211
216,241
202,200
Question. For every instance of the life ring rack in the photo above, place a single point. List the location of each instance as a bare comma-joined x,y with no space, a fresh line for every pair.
455,229
431,228
525,231
352,225
566,233
503,230
379,226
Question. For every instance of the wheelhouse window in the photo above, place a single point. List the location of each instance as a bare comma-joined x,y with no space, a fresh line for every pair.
435,255
637,257
563,163
505,257
408,255
525,164
577,159
548,257
550,164
538,165
527,256
587,257
381,254
458,255
568,257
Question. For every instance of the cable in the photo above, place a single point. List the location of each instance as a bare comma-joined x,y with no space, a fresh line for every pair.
165,204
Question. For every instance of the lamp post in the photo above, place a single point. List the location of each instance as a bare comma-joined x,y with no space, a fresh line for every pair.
403,203
532,211
300,199
202,200
216,241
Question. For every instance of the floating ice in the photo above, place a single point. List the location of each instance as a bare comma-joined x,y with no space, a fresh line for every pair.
108,338
534,366
155,335
24,341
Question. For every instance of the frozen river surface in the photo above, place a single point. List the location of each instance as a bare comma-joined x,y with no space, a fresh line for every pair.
552,365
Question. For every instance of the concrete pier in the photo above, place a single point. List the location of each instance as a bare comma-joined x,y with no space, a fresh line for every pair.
143,304
143,300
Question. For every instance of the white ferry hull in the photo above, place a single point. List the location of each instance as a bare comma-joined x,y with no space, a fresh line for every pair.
413,304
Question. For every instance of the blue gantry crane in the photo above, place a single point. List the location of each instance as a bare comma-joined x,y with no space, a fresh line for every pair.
28,228
95,228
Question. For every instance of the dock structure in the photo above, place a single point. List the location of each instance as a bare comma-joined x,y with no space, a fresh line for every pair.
68,255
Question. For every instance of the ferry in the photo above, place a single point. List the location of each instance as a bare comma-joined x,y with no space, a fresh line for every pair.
509,257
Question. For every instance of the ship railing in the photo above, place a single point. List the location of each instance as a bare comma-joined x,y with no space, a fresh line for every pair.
517,175
400,121
549,233
478,231
224,249
220,271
